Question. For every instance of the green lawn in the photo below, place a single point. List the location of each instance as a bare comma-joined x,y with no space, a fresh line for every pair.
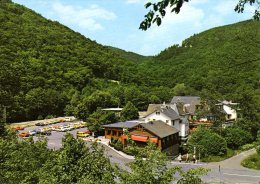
252,162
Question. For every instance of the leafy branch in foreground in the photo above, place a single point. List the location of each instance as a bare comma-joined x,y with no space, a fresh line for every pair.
158,10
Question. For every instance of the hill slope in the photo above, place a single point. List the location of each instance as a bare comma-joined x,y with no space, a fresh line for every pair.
42,58
221,63
48,69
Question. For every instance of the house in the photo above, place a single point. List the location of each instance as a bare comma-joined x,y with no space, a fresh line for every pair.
191,104
229,110
165,112
164,136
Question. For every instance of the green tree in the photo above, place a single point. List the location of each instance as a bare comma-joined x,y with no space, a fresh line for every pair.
99,118
158,10
129,112
153,169
76,163
207,142
236,137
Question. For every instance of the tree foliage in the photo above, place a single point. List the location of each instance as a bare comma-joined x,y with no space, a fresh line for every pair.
61,72
129,112
158,10
236,137
207,143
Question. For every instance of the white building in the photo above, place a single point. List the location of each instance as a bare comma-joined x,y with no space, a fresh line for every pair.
229,109
168,115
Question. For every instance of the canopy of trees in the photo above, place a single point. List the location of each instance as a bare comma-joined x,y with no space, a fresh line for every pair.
26,161
48,69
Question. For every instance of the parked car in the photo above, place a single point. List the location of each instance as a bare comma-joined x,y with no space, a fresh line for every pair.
19,128
76,125
82,134
45,132
24,134
62,129
32,132
55,128
40,124
68,127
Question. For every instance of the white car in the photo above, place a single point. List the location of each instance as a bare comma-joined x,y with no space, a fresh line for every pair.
32,132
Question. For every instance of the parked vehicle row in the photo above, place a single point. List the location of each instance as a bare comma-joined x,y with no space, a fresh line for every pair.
46,130
41,131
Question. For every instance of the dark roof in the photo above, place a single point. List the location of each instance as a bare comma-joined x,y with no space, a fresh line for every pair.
169,112
152,108
159,128
163,108
127,124
190,102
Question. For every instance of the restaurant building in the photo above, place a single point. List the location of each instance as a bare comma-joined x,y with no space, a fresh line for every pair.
164,136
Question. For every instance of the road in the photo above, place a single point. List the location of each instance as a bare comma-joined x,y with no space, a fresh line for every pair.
228,171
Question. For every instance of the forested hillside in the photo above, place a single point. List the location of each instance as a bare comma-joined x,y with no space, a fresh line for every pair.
48,69
221,63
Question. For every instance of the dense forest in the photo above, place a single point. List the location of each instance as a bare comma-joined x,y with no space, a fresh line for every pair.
47,69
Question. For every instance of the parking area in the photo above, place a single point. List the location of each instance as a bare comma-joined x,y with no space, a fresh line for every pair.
55,138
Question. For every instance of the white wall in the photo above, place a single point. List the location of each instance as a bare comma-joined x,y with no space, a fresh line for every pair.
164,118
231,111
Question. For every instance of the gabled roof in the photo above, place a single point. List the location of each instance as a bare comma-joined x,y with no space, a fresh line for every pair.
164,109
185,99
126,124
159,128
189,102
169,112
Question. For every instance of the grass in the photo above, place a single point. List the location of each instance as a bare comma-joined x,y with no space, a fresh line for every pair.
229,154
252,162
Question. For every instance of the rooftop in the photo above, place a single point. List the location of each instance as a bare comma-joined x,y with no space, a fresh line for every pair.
126,124
159,128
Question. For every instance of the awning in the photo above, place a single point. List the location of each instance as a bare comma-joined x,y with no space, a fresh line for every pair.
154,139
139,138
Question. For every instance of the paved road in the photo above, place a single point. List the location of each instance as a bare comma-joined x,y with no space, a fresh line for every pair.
230,170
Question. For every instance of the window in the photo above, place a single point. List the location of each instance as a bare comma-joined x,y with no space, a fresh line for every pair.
167,121
108,132
157,113
172,122
119,134
113,133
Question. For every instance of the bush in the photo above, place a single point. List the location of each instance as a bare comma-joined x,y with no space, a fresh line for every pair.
247,147
258,149
116,143
253,162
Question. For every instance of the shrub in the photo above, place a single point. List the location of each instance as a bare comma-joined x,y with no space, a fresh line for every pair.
247,147
258,149
253,162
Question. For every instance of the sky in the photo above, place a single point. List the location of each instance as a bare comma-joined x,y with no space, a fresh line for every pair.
116,22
